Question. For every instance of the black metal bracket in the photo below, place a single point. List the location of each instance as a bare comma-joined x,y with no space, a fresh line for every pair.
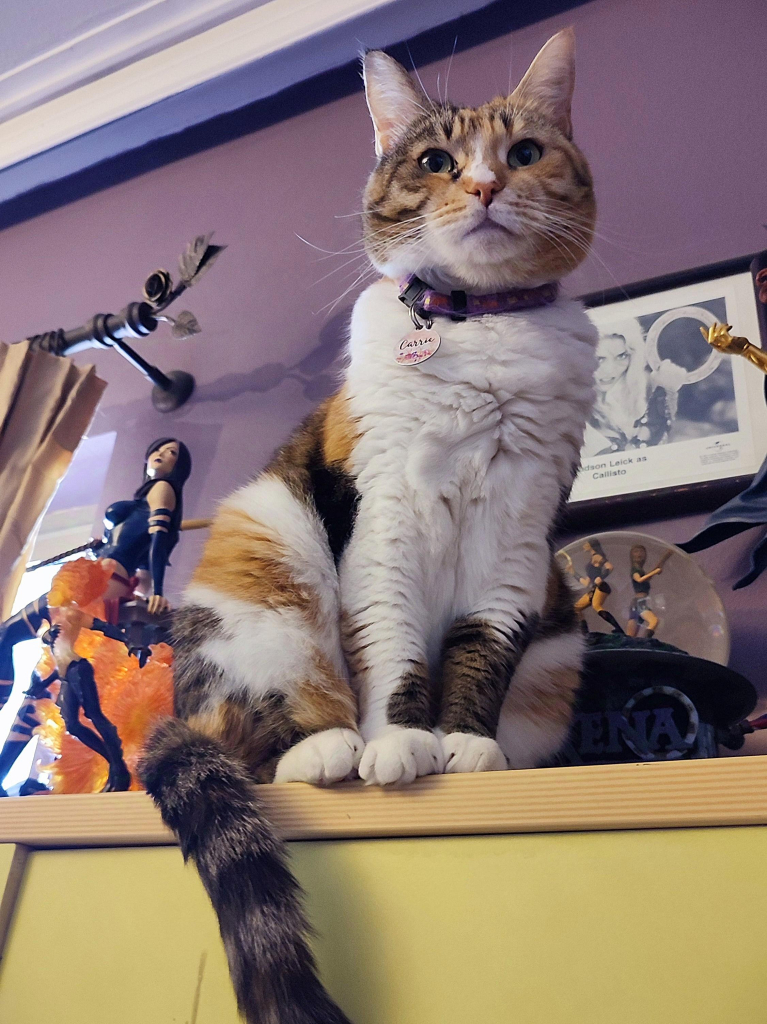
139,319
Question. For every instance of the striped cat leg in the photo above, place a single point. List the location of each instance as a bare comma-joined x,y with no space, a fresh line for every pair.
384,639
403,745
265,600
482,662
478,660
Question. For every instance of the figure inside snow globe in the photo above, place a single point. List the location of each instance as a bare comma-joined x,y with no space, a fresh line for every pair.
596,571
640,612
140,535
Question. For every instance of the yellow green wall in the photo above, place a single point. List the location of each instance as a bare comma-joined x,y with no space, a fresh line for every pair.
649,927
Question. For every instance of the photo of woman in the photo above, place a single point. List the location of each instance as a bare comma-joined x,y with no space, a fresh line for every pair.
630,411
656,383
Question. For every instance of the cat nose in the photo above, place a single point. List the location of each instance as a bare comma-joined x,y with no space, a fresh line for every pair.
484,191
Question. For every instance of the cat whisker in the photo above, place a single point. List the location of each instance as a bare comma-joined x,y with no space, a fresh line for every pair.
602,232
337,270
359,245
361,277
560,245
591,254
576,225
329,252
449,66
412,235
420,82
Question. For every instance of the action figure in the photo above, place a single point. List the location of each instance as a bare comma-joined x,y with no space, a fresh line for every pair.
141,533
640,612
78,691
597,570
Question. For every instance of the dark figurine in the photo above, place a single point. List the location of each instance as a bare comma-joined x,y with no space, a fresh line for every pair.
596,571
641,613
79,692
140,535
142,532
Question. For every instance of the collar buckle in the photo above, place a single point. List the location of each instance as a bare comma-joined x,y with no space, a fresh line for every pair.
414,290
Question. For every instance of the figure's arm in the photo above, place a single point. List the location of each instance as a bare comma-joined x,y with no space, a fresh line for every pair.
162,502
719,337
115,633
647,575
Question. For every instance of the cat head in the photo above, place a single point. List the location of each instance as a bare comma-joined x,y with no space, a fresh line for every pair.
485,198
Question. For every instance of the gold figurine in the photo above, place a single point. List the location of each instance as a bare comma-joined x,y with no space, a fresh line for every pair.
719,337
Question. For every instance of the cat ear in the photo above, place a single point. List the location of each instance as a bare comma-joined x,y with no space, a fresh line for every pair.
550,80
394,101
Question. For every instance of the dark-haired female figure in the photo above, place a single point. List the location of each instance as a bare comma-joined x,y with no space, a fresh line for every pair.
140,535
596,571
142,532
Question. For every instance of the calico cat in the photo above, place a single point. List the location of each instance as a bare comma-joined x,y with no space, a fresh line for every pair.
395,556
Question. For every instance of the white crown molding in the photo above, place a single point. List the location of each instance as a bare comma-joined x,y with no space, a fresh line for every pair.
150,26
245,43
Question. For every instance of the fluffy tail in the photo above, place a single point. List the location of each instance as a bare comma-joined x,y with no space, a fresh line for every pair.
210,802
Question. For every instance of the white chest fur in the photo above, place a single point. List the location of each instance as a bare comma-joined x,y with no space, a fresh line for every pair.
460,467
516,385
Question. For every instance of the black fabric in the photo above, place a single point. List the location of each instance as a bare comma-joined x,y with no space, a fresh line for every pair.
21,626
127,542
159,550
743,512
161,517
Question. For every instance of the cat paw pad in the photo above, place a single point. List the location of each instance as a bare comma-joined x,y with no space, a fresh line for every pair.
324,757
400,756
466,753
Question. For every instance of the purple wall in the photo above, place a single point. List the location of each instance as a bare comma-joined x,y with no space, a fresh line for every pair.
669,108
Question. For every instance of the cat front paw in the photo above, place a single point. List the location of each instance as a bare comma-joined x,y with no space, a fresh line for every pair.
325,757
400,755
467,753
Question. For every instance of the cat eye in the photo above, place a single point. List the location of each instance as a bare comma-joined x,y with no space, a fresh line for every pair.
437,161
524,153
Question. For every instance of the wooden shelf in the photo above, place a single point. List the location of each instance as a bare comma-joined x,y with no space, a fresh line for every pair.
677,794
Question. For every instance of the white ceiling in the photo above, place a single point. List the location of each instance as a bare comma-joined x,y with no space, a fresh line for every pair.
85,80
54,23
48,46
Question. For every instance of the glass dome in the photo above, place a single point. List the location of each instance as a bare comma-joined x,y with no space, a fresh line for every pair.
649,588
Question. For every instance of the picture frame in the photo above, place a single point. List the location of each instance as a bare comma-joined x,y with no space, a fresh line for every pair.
677,428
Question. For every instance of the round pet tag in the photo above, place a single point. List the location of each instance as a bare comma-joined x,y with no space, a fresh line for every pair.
416,347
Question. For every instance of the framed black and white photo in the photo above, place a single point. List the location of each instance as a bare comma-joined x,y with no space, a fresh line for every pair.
677,426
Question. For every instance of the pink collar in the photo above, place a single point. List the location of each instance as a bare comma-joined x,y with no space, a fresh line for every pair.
422,300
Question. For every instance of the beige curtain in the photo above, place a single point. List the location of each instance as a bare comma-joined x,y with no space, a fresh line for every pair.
46,405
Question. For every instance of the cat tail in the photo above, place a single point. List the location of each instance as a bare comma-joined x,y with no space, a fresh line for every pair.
210,802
